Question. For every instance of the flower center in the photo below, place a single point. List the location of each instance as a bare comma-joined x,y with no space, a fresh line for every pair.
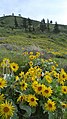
48,78
6,109
0,83
21,98
23,85
50,105
46,91
63,76
65,90
39,88
14,67
63,106
32,99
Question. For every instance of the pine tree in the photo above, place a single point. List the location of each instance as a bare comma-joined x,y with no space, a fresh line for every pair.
56,28
42,25
51,21
24,23
48,25
16,24
29,24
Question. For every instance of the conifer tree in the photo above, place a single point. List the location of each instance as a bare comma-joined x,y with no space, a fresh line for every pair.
48,25
29,24
24,23
16,24
42,25
56,28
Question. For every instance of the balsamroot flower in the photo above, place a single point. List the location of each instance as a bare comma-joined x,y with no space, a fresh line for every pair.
6,110
14,66
50,105
3,83
32,100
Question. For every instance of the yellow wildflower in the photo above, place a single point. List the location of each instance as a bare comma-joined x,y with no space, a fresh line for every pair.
31,63
32,100
23,85
50,105
21,98
21,74
63,105
3,83
64,89
48,78
14,66
2,98
47,91
6,110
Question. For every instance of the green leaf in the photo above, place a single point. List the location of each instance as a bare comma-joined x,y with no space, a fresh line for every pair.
41,103
55,99
27,109
51,115
15,116
33,109
58,88
65,114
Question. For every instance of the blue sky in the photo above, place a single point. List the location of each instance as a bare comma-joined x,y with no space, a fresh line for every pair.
55,10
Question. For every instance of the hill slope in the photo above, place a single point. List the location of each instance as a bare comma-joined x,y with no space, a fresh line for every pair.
51,45
9,22
14,41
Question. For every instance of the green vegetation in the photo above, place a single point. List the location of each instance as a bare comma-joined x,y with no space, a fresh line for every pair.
38,92
15,38
19,35
53,46
29,24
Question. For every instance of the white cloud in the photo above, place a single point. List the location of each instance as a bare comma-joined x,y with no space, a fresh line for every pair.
36,9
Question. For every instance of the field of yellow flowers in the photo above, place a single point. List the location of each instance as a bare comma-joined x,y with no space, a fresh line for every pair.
37,91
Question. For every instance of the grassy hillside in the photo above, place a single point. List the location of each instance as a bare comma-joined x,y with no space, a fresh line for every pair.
51,45
9,22
13,42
